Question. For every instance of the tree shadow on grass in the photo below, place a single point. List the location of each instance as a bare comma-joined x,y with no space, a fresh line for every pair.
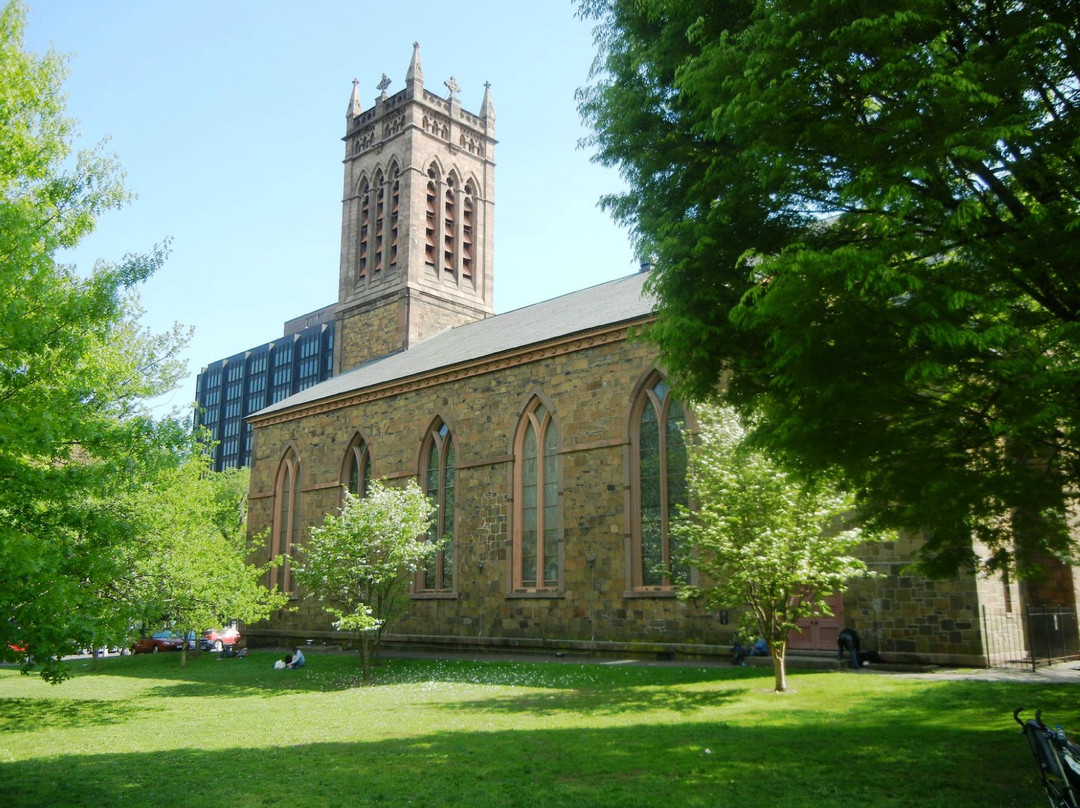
602,702
24,713
685,763
986,702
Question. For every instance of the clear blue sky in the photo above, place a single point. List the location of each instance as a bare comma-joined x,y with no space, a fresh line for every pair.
228,118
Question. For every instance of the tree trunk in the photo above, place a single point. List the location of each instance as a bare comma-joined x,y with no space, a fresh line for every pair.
365,650
779,670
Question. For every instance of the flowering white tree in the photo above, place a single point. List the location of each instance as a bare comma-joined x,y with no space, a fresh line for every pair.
764,539
359,562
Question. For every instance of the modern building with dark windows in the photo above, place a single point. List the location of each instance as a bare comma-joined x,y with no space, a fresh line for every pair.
229,390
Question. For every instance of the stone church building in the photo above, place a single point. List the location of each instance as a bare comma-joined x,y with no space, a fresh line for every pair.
547,436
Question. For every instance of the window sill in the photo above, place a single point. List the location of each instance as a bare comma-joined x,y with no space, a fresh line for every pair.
536,593
425,595
655,592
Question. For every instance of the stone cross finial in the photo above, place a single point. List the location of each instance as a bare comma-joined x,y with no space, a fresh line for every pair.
452,86
382,85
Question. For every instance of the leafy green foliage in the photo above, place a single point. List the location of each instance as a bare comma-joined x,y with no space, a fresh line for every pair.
74,369
360,562
762,538
864,218
191,570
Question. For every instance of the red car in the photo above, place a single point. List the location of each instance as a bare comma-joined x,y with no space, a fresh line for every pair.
218,638
158,641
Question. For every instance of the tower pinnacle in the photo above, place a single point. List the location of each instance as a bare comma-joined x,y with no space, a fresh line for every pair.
487,109
355,107
415,73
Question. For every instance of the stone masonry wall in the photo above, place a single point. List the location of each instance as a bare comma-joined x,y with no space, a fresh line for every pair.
907,617
589,391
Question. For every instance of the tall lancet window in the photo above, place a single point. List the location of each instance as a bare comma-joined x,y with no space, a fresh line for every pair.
450,228
364,241
357,468
395,214
379,189
286,529
660,460
431,219
439,477
537,523
468,230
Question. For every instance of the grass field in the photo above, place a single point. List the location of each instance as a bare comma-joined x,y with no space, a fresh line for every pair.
141,731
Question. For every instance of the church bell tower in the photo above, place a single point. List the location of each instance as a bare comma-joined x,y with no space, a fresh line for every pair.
417,216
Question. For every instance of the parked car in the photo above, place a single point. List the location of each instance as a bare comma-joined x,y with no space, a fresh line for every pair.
214,639
158,641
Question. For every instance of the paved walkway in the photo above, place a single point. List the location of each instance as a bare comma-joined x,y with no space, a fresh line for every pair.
1065,672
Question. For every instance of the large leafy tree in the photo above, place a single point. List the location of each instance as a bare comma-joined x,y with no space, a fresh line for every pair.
764,539
74,368
359,563
865,222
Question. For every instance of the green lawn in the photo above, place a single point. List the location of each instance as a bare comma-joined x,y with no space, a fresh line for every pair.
142,731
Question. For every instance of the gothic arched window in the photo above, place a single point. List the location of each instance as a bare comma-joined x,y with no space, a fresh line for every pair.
450,215
379,189
468,229
659,487
431,218
537,523
286,530
356,471
364,231
439,480
395,214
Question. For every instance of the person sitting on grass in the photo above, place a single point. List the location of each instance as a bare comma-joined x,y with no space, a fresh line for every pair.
738,652
297,659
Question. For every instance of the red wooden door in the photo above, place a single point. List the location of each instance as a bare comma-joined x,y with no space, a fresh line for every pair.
819,633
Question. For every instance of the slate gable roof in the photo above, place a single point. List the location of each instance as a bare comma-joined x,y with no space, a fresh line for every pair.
606,304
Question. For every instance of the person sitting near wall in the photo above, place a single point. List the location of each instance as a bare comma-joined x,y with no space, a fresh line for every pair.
847,644
738,652
759,648
298,660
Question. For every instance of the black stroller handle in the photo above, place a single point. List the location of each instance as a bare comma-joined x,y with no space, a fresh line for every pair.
1038,718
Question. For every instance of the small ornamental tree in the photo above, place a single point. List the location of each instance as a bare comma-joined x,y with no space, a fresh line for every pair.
763,539
192,568
359,563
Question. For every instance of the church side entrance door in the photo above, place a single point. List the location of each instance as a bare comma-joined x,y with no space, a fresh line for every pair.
819,633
